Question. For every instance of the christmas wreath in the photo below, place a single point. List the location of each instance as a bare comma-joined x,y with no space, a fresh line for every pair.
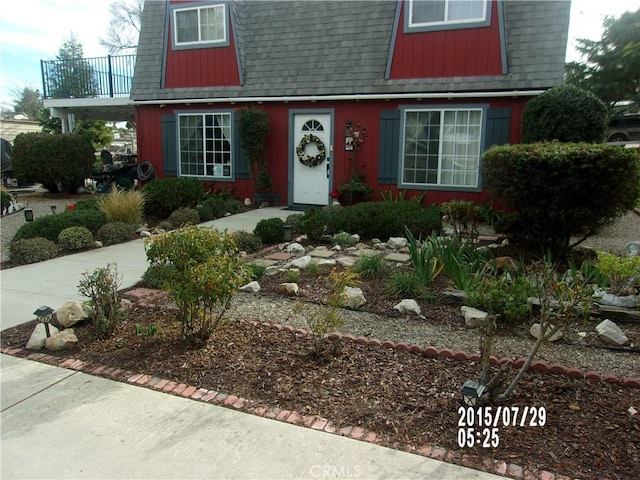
311,160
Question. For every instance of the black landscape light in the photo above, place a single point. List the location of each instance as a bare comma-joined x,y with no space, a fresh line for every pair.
45,314
288,235
28,214
53,209
471,392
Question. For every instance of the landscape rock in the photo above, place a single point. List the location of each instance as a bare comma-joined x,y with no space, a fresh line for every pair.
363,246
632,249
611,333
295,248
61,341
251,287
625,301
247,202
272,270
354,298
346,261
97,244
356,237
336,248
397,242
143,228
380,246
145,233
39,335
535,332
71,313
474,317
288,288
375,241
302,262
326,262
408,306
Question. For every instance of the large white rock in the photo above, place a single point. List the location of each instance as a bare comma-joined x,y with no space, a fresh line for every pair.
39,335
295,247
408,306
62,340
611,333
251,287
302,262
396,242
327,262
354,298
624,301
474,317
632,249
272,270
71,313
536,332
288,288
346,261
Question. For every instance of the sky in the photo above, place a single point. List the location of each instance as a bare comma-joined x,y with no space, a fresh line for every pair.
34,30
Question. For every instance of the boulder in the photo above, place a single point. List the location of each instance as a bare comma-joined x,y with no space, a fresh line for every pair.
71,313
288,288
39,335
354,298
536,331
295,247
251,287
247,202
397,242
474,317
62,340
611,333
272,270
356,237
623,301
346,261
326,262
302,262
632,249
408,306
380,246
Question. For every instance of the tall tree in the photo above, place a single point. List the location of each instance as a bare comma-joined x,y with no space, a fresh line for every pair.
29,102
612,66
124,26
71,76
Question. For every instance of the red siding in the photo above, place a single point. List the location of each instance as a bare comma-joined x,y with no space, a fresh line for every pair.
447,53
202,67
277,153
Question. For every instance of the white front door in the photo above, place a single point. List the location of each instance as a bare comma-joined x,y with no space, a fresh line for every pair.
312,141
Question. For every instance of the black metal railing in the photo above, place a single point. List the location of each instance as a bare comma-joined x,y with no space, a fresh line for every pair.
99,77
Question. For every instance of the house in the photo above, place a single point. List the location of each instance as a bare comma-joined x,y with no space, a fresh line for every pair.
434,83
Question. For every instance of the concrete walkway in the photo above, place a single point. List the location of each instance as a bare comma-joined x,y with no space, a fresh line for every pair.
59,423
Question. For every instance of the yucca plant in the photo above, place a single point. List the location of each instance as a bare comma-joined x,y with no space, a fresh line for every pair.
424,259
124,206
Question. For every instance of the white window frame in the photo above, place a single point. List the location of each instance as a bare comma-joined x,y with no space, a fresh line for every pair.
484,20
199,43
205,174
440,185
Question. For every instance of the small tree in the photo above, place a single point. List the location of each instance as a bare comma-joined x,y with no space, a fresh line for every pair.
566,114
254,127
101,287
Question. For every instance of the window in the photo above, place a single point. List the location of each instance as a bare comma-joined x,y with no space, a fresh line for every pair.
441,147
201,25
205,145
433,13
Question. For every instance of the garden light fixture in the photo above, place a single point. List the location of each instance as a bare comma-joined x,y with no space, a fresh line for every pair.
45,314
53,209
471,392
287,233
28,214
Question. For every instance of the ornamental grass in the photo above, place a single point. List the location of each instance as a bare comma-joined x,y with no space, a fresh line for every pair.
124,206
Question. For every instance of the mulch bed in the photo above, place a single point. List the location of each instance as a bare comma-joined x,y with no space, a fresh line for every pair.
406,398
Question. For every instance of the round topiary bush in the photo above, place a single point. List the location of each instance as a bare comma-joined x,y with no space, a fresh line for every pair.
32,250
270,230
184,216
116,232
566,114
246,241
75,238
50,226
164,195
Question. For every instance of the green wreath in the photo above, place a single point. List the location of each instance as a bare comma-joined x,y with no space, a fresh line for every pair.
311,160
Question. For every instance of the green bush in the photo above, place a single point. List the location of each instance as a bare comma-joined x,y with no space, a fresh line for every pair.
50,226
116,232
504,296
406,285
463,216
313,224
294,221
5,198
566,114
385,219
256,272
87,204
218,205
560,190
156,276
370,266
32,250
343,239
164,195
184,216
75,238
63,160
270,230
247,241
122,206
101,287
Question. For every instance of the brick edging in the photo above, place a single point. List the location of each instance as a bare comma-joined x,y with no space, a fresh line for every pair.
499,467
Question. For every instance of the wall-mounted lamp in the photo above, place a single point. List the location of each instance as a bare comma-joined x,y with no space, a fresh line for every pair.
348,135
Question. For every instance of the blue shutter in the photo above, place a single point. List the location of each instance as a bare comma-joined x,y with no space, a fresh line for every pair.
498,127
241,161
389,149
169,146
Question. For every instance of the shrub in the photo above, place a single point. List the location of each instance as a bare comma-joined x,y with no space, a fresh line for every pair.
124,206
462,263
370,266
404,284
32,250
5,198
256,272
207,273
619,272
63,160
165,225
218,205
101,287
75,238
50,226
343,239
385,219
463,216
156,276
247,241
560,190
294,221
270,230
184,216
566,114
116,232
87,204
313,224
504,296
164,195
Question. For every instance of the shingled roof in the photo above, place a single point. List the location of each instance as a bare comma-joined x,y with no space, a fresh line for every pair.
320,48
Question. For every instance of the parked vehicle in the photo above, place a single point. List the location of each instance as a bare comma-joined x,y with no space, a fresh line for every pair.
624,128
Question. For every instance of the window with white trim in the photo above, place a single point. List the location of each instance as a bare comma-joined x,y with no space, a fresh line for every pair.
200,25
427,13
205,145
441,147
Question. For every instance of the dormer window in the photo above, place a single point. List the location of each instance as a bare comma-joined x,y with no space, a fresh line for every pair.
200,26
425,15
